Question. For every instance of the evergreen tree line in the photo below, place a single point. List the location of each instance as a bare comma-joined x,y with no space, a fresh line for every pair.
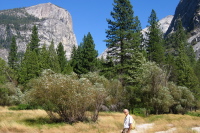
158,73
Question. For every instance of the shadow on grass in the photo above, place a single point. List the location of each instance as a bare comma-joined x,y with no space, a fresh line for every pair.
43,122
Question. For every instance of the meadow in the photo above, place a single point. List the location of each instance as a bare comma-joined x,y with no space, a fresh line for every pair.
37,121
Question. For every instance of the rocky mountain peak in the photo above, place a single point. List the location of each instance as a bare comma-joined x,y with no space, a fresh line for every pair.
49,11
53,23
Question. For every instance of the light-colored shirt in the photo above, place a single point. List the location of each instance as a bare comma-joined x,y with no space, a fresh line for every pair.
127,121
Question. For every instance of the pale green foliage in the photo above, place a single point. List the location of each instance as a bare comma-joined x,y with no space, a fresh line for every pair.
183,98
158,95
3,67
8,90
61,95
95,78
99,91
117,94
10,94
112,94
187,99
66,97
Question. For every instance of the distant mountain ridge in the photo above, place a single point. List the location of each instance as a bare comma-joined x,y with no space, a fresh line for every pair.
54,23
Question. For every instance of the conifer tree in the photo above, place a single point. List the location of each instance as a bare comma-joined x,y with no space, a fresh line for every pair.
12,57
123,39
107,68
34,43
53,59
29,66
197,69
61,56
154,40
84,57
76,59
89,54
185,73
44,58
68,68
191,55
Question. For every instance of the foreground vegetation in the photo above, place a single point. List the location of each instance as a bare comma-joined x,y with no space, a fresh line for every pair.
32,121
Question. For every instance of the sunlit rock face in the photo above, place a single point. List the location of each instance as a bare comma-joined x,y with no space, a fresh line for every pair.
53,23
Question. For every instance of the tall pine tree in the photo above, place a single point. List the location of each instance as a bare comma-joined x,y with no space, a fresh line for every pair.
197,69
61,56
29,66
44,58
76,59
154,40
84,57
34,44
53,59
89,54
12,57
123,40
185,73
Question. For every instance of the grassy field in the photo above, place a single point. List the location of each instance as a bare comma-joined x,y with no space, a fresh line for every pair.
36,121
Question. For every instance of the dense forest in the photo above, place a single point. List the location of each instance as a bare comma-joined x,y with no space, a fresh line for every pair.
153,75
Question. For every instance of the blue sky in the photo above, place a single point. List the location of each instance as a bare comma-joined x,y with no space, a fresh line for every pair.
90,15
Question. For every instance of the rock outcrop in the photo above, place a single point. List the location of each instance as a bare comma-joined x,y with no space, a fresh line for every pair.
4,54
54,23
189,13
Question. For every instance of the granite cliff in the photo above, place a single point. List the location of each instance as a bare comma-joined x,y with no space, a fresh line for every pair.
189,13
54,23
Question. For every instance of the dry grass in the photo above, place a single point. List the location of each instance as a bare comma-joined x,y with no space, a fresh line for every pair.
36,121
183,123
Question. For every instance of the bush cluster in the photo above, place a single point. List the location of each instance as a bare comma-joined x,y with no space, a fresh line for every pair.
67,97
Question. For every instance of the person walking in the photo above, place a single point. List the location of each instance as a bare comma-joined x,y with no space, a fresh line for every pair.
128,122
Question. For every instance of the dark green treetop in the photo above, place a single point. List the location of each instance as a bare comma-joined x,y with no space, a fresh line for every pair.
34,43
84,57
154,40
61,56
53,59
12,57
123,39
44,58
185,73
89,54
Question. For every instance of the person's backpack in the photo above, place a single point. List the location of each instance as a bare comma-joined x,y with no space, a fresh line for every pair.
133,124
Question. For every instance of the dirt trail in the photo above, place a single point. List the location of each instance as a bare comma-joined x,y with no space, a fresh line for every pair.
142,128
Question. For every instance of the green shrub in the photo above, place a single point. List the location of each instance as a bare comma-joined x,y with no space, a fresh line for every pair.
193,114
64,97
4,99
139,112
